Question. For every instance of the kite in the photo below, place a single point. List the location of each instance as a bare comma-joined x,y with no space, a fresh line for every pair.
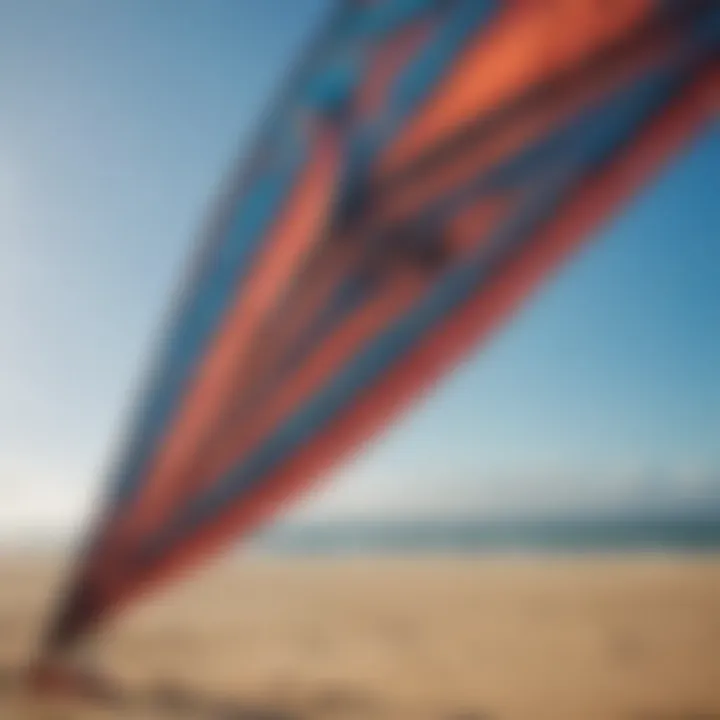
427,165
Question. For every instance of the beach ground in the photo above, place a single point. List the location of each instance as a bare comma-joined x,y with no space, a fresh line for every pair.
636,638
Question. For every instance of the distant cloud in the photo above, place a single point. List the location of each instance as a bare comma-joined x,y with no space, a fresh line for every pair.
483,494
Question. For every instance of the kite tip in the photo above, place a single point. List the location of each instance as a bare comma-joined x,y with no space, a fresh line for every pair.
52,678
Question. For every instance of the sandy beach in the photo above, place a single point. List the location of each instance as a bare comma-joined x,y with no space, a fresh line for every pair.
588,637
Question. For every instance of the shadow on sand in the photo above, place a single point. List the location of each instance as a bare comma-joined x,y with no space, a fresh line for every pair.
175,701
163,700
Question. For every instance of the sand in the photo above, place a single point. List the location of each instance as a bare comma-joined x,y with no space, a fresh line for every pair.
636,638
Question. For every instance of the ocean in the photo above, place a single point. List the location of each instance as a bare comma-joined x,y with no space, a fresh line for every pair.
687,532
679,532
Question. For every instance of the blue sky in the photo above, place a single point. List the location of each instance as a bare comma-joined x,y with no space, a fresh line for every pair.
117,123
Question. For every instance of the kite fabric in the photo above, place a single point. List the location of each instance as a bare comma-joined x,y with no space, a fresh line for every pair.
426,166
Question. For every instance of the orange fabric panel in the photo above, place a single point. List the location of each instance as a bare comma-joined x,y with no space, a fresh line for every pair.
298,228
530,41
522,129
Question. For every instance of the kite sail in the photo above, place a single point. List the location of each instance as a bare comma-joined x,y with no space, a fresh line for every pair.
426,167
